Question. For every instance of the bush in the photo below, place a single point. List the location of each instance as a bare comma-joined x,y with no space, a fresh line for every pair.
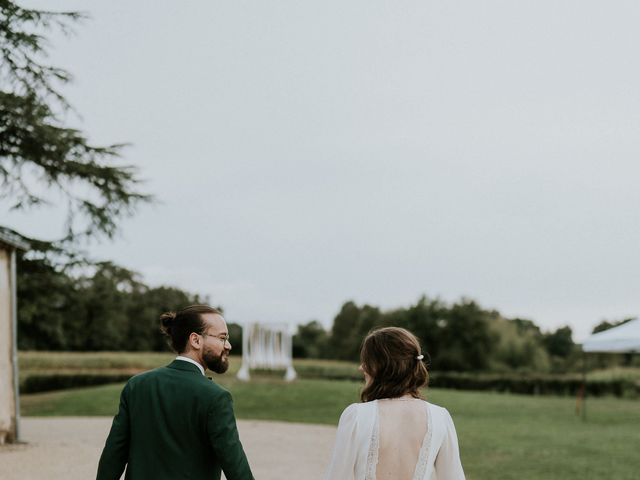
619,383
47,382
535,384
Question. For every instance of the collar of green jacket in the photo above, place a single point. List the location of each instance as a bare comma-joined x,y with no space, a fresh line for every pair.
185,366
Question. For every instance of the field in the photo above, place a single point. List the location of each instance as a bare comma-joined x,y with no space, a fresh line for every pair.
501,436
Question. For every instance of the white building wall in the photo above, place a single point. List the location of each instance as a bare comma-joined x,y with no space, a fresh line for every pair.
7,382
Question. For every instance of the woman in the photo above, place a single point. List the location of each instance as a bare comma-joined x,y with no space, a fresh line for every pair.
393,433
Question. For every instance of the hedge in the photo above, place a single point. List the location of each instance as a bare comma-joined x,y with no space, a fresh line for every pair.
534,384
47,382
512,383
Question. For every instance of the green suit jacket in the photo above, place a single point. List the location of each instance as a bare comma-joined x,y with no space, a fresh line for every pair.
174,423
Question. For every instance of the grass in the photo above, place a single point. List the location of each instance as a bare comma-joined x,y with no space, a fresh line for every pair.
502,436
523,437
307,401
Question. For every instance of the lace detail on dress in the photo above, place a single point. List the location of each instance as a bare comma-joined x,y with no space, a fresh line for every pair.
423,458
372,455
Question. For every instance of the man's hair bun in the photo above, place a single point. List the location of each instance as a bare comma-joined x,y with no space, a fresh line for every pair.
168,320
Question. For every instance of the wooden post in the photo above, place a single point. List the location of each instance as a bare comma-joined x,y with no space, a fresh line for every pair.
14,319
584,386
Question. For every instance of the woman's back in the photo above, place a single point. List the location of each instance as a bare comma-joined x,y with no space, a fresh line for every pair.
402,429
395,439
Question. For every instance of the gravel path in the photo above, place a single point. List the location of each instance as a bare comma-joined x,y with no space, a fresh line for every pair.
69,447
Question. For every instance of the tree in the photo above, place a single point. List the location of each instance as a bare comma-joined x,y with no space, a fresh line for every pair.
310,341
350,327
105,299
559,343
48,301
605,325
519,346
42,161
235,337
425,319
145,307
525,326
465,338
109,308
344,332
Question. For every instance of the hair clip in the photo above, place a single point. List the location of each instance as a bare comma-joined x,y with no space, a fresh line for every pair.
419,357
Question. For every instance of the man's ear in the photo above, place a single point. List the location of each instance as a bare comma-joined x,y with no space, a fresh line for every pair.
195,341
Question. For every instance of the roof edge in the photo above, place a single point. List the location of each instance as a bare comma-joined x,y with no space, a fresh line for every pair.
13,239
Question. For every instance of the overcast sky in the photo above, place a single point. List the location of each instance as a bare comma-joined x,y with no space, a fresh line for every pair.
308,153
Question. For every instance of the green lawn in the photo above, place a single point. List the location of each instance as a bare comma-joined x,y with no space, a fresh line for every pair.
501,436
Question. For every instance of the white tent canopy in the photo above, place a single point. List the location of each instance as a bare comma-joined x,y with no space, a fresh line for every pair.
622,339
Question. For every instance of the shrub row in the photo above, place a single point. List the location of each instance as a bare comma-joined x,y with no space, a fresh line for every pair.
534,384
503,382
328,371
523,384
47,382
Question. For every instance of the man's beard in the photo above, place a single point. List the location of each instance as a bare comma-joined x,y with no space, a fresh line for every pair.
216,363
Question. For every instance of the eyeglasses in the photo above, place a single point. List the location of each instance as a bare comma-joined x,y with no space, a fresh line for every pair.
224,338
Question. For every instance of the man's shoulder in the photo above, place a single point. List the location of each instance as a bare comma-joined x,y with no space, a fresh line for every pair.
143,377
207,391
148,374
211,386
196,383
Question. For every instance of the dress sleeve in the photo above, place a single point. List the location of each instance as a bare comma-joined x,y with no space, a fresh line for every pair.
448,465
116,450
345,450
224,439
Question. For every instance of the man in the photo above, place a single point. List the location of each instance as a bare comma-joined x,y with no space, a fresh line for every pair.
173,422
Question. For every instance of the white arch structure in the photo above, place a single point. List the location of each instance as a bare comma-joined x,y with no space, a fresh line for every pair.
268,347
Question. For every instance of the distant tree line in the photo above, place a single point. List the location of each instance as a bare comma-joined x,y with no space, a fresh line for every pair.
107,307
457,337
606,325
103,306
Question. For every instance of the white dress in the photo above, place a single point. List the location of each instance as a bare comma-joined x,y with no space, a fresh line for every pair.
399,437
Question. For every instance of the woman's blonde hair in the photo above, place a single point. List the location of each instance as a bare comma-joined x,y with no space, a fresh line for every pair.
392,357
